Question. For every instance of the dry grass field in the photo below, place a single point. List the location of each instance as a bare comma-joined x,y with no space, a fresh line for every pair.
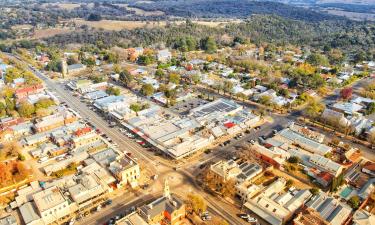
67,6
120,25
44,33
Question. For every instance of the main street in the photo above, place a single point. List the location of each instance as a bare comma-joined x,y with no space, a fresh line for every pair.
187,181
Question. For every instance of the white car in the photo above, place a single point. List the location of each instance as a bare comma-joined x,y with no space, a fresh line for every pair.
252,220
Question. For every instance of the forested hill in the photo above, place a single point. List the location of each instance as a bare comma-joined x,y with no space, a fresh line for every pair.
347,35
231,9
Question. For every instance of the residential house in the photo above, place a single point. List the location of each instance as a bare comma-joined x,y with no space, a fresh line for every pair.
75,69
164,55
362,217
8,220
22,93
369,168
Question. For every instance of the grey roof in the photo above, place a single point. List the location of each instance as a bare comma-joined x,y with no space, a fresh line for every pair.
329,208
76,66
29,212
8,220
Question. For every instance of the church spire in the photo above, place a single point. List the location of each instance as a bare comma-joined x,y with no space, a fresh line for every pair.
167,193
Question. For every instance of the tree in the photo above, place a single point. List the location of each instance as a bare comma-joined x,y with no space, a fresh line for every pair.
147,90
196,203
145,60
265,100
293,159
209,45
314,191
113,91
370,108
159,74
44,103
228,188
94,17
196,78
136,108
126,78
26,109
227,86
289,183
242,96
314,109
354,201
346,93
317,59
174,78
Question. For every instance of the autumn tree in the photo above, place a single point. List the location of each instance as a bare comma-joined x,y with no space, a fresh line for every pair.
136,107
196,203
174,78
25,109
346,93
147,90
314,109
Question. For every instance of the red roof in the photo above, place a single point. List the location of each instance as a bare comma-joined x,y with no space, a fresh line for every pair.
29,89
82,131
325,176
229,125
369,166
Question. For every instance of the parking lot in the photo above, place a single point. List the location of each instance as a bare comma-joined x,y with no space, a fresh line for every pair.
184,107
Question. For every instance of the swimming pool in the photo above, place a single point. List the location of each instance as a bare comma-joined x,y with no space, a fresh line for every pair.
346,192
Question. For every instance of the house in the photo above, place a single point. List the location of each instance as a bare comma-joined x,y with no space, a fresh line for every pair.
126,170
335,117
362,217
9,121
348,108
8,220
75,69
329,208
369,168
22,93
168,209
164,55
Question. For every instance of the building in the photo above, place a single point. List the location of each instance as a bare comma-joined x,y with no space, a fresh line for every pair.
22,93
48,206
132,219
309,217
275,206
362,217
110,103
88,189
168,209
273,155
126,170
329,208
326,164
8,220
164,55
75,69
303,138
369,168
332,116
54,121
